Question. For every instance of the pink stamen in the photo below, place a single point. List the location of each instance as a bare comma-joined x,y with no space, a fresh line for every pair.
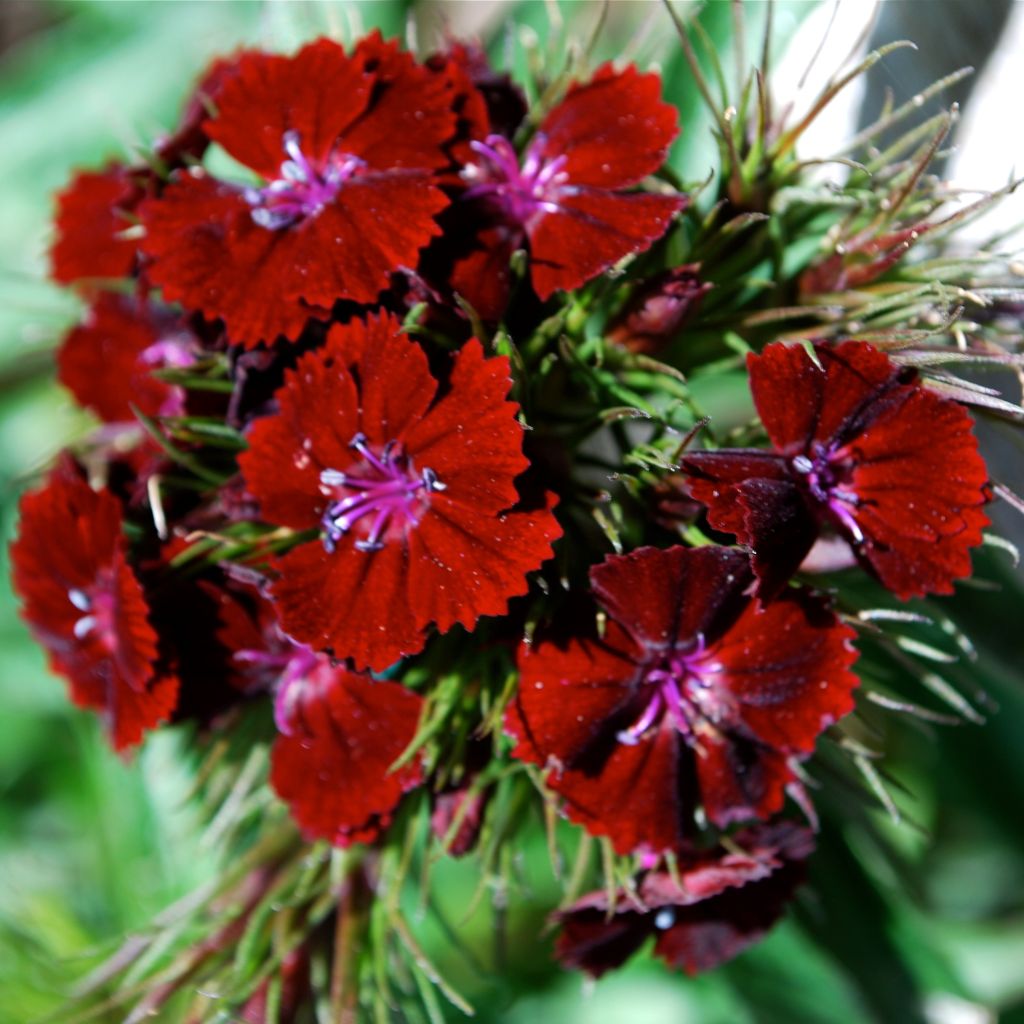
386,487
521,192
823,474
303,189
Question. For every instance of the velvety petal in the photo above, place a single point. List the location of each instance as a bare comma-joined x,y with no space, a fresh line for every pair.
799,402
317,93
318,415
353,603
100,361
568,692
786,667
209,255
668,596
613,130
469,563
333,769
92,213
592,230
189,141
483,277
472,438
920,483
740,779
412,114
591,941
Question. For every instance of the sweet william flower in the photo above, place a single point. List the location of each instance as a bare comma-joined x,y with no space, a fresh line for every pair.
565,198
695,695
411,487
862,450
344,146
716,904
86,606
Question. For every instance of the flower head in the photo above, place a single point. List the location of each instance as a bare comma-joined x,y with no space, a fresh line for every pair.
716,905
412,491
695,695
85,605
345,194
862,450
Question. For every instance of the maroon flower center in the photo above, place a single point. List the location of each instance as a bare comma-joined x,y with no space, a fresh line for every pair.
303,188
520,192
824,472
678,687
98,606
383,490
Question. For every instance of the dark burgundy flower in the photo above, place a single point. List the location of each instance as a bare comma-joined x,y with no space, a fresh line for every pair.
344,146
718,904
565,198
85,605
862,450
107,361
695,694
341,734
413,493
658,309
94,215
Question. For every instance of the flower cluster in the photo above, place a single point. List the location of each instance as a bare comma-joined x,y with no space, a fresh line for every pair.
356,403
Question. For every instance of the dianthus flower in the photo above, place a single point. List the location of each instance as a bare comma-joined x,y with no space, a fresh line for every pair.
341,734
715,905
863,451
85,605
565,198
412,491
107,361
695,694
344,147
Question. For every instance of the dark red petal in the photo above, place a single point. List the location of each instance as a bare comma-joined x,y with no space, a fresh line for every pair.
333,771
798,402
189,141
99,361
591,941
377,225
92,213
353,603
472,438
740,779
787,666
613,130
318,415
920,484
592,230
483,278
568,693
668,596
411,117
209,255
318,93
469,563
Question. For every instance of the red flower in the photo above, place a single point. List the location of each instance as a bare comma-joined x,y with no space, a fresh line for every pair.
413,491
85,605
93,214
695,694
565,199
717,905
342,734
862,450
107,361
344,146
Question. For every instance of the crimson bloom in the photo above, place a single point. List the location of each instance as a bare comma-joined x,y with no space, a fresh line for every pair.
413,492
341,733
565,199
695,694
862,450
717,904
344,146
85,605
107,361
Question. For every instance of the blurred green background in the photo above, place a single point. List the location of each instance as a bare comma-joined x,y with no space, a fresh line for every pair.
91,847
